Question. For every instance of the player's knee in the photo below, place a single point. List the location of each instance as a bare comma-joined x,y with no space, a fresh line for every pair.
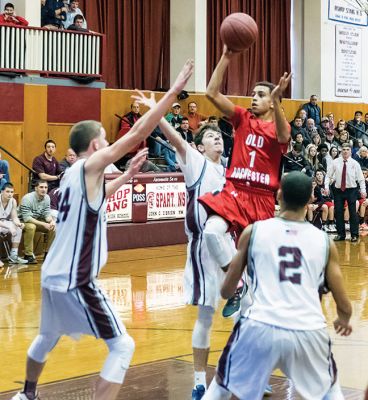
202,328
118,361
41,347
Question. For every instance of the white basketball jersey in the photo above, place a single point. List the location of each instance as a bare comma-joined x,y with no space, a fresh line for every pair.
202,277
286,265
5,213
80,246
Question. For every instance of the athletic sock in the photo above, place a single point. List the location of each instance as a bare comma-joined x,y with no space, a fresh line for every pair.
30,389
200,378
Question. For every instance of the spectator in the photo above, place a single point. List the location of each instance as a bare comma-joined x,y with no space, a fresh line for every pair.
366,120
303,115
10,223
362,157
313,110
343,138
330,139
328,201
357,145
78,24
346,172
310,130
331,121
72,12
294,161
10,18
317,205
184,130
325,128
4,172
47,167
35,212
297,127
53,14
316,139
212,121
311,157
194,118
300,139
174,117
69,159
356,127
341,126
322,152
332,155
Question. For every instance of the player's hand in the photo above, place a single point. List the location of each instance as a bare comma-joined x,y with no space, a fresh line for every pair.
183,77
20,225
226,52
137,162
363,195
284,81
342,327
141,98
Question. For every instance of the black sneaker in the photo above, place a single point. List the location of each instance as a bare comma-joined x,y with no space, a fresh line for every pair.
31,259
233,304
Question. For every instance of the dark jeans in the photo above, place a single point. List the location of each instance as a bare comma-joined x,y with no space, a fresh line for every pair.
351,196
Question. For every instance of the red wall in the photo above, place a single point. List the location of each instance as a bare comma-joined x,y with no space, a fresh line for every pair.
11,102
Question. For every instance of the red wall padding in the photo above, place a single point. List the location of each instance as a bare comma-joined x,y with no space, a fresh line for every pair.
11,102
72,104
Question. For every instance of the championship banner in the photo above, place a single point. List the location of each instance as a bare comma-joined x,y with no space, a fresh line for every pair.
166,200
119,205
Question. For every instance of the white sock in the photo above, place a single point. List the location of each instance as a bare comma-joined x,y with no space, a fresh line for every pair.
200,378
14,251
216,392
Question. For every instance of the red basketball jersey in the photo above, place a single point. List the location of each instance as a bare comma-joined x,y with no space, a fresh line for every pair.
256,155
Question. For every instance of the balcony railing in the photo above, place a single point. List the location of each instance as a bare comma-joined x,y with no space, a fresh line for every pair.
38,50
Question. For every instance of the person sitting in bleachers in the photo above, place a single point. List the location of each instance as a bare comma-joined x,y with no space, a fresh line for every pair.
184,130
77,24
174,117
311,157
10,223
362,157
294,161
10,18
317,205
72,12
329,223
69,159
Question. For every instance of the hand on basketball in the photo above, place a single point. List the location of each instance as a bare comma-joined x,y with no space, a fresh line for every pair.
141,98
284,81
137,162
183,77
342,328
229,53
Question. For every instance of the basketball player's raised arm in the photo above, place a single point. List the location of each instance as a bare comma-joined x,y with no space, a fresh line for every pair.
98,161
237,265
213,89
282,126
335,282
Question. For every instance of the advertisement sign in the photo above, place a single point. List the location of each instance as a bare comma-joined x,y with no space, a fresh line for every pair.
348,60
119,205
166,200
347,11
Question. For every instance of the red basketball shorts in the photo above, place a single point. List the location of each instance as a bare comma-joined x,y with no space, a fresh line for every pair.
240,207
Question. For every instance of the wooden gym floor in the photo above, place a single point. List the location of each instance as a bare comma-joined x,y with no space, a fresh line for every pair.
146,288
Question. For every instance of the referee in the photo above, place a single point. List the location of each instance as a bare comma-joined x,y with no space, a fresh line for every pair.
346,172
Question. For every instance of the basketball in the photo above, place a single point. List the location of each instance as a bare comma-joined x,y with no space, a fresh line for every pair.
238,31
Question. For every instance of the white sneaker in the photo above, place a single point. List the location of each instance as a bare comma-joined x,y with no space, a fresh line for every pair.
347,226
13,259
22,396
333,228
326,228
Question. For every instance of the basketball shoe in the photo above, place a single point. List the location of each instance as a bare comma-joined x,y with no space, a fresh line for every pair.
232,306
23,396
198,392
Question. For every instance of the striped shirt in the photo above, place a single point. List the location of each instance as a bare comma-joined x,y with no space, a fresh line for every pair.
32,206
80,247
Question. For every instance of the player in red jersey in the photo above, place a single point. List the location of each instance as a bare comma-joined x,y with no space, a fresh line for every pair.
261,138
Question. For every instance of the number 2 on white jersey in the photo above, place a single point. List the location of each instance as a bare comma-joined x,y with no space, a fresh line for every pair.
252,158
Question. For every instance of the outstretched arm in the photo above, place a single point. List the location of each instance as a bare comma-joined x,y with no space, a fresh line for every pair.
335,283
237,265
213,89
98,161
167,129
282,128
134,167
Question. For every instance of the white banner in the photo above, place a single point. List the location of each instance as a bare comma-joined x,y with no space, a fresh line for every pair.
166,200
119,205
347,11
348,61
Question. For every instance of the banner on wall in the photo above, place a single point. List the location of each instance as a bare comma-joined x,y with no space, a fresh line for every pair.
348,61
166,200
119,205
347,12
